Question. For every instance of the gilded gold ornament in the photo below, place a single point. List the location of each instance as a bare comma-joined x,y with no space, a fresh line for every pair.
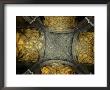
59,23
56,68
28,45
83,47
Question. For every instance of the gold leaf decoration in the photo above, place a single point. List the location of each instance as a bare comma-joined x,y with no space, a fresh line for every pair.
57,68
83,48
59,23
28,45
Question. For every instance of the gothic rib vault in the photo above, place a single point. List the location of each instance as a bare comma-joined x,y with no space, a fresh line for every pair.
58,46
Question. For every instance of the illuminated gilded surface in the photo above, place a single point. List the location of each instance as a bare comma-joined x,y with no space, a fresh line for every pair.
83,48
29,45
55,53
59,23
57,68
